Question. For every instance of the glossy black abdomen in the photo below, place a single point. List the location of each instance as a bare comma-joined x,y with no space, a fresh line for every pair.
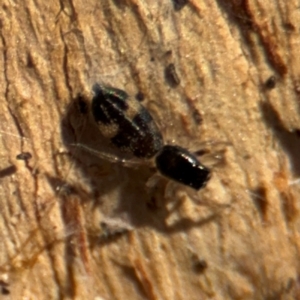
180,165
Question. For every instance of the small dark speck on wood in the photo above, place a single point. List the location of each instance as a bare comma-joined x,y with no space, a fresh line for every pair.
270,82
171,76
179,4
24,156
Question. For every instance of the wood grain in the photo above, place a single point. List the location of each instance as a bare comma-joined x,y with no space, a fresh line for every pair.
75,226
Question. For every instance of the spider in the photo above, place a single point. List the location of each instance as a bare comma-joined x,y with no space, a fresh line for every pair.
130,127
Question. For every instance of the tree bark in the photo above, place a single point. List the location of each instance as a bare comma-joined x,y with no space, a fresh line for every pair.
76,226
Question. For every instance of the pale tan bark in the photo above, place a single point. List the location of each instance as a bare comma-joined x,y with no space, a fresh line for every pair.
53,246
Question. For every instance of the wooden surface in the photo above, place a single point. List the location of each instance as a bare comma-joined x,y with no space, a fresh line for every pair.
74,226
